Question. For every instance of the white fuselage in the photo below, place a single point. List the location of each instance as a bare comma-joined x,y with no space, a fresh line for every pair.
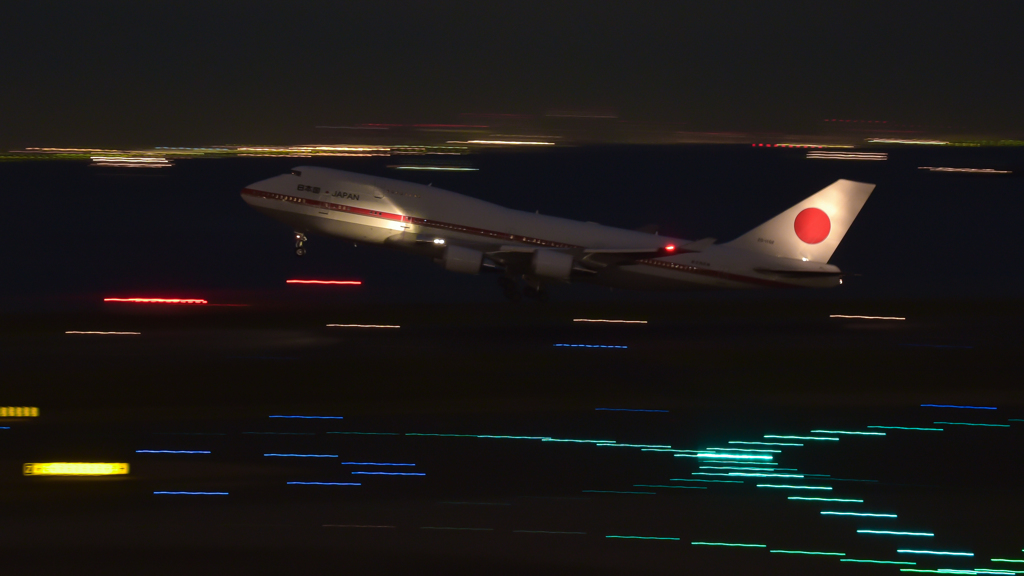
369,209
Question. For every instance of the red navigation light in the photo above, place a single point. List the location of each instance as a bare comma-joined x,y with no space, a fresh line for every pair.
342,282
670,248
158,300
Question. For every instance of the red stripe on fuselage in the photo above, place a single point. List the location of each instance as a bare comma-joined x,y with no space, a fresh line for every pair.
511,237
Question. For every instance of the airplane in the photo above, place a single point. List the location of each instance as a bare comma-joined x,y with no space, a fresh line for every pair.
468,235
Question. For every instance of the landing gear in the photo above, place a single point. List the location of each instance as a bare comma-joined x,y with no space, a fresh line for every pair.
510,288
300,240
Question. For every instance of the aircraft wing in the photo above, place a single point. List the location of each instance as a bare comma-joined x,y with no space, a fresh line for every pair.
589,259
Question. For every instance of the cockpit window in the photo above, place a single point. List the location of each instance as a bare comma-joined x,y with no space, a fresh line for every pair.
296,173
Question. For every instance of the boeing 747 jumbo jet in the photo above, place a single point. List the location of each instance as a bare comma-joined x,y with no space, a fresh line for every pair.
468,235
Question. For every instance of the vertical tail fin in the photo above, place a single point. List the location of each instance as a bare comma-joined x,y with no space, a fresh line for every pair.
812,229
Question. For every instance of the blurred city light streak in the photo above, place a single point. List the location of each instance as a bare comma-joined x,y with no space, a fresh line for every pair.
964,170
876,561
374,464
193,493
703,480
75,469
798,437
887,532
327,483
666,486
794,487
131,161
807,552
955,406
866,317
872,515
823,155
973,424
304,455
765,443
628,410
728,544
310,417
327,282
505,142
826,499
19,411
907,428
363,326
587,346
192,301
902,551
172,451
643,537
612,322
905,141
103,333
616,492
844,432
391,473
737,456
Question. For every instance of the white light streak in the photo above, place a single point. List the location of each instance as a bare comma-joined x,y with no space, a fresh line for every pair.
609,321
866,317
103,333
362,326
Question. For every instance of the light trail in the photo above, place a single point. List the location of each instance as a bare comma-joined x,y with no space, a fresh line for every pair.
728,544
194,493
104,333
363,326
964,170
304,455
843,432
872,515
391,473
310,417
826,499
631,410
644,537
957,406
973,424
794,487
906,428
75,469
19,411
327,483
610,321
172,451
806,552
936,552
866,317
328,282
799,437
587,346
895,533
158,300
765,443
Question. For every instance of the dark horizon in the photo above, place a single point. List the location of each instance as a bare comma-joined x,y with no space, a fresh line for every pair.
128,75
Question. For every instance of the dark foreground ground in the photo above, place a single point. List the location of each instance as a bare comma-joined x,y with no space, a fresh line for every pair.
501,424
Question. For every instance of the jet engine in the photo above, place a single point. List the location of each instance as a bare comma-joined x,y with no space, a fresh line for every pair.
551,264
459,259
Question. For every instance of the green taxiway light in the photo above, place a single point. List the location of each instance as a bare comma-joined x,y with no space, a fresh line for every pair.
895,533
695,480
806,552
825,499
728,544
876,561
973,424
746,450
872,515
906,428
844,432
766,443
799,437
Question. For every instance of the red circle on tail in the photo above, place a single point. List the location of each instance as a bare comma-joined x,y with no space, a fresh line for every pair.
812,225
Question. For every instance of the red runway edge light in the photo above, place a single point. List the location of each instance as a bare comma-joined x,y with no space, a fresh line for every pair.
158,300
339,282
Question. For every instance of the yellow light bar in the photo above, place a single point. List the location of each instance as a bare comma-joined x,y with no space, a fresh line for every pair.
76,468
18,411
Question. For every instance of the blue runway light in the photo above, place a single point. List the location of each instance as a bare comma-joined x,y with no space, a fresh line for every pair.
936,552
954,406
172,451
905,428
973,424
798,437
392,473
375,464
728,544
311,417
628,410
304,455
826,499
845,432
587,346
887,532
858,514
195,493
328,483
794,487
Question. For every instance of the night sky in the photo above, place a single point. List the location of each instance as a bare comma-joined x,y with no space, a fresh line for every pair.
191,73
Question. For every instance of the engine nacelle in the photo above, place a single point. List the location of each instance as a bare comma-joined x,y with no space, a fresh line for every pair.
459,259
551,264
